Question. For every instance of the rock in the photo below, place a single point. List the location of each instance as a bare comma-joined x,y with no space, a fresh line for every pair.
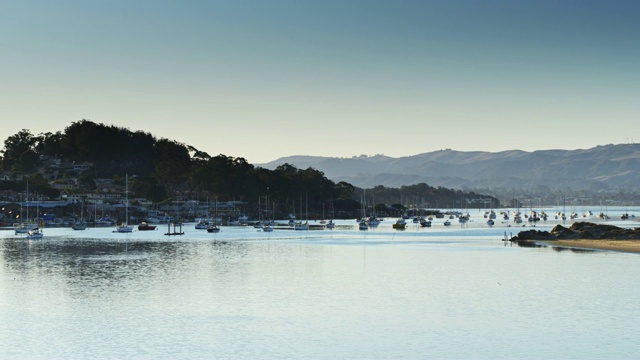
580,230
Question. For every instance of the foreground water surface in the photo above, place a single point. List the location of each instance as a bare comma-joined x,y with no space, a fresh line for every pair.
456,292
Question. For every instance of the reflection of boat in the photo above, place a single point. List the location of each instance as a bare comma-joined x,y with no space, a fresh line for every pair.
35,233
144,226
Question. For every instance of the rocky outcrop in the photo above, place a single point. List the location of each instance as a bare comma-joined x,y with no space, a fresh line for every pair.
580,230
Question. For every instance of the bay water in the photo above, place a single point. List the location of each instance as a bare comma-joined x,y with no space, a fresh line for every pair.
423,293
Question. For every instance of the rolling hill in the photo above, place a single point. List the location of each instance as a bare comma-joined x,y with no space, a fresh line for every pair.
600,168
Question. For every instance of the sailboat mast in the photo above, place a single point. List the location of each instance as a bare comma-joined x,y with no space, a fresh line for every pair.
126,196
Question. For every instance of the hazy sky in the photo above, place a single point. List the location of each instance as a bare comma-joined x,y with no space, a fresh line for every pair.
265,79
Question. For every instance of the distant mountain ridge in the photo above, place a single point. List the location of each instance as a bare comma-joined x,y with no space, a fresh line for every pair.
598,168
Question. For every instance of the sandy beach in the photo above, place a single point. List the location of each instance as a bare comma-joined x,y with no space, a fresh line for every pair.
632,246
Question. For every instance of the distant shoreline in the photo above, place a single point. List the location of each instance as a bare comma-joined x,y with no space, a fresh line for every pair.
628,246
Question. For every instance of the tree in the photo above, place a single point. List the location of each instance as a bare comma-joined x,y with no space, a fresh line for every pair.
86,183
38,184
172,164
15,146
27,162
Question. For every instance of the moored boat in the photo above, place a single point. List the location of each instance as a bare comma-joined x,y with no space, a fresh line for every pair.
80,225
35,233
144,226
400,224
362,225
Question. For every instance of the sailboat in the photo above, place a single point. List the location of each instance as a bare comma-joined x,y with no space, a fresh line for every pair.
213,228
267,223
82,225
331,224
35,233
362,222
299,225
24,226
21,227
124,226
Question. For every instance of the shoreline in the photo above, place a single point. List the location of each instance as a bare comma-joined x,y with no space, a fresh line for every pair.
628,246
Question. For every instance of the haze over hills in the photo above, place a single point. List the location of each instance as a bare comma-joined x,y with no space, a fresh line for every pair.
601,168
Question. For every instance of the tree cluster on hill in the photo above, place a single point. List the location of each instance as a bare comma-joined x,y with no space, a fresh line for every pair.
164,168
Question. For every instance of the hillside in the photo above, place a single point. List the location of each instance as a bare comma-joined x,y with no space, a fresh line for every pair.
600,168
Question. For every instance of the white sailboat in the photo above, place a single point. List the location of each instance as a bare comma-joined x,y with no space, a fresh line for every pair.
24,226
35,234
124,227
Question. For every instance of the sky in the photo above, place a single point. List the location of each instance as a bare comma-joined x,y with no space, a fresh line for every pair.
264,79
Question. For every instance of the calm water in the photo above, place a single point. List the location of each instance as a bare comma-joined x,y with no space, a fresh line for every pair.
457,292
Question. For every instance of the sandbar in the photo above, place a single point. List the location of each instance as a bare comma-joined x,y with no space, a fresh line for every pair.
631,246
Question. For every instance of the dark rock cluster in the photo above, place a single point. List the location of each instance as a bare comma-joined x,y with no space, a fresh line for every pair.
580,230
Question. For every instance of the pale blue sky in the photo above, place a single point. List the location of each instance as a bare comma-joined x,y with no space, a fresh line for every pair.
266,79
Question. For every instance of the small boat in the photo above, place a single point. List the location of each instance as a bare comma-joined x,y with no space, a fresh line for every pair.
144,226
490,222
447,223
81,225
202,224
23,228
267,228
400,224
301,226
35,234
362,225
213,229
373,221
124,228
330,224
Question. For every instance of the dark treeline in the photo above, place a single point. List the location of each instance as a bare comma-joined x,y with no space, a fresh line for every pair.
167,170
